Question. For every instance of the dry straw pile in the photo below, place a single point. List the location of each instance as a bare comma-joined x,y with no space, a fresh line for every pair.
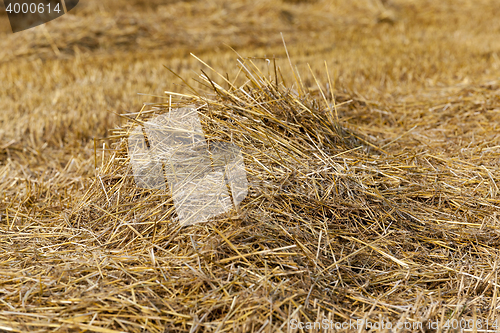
374,193
335,226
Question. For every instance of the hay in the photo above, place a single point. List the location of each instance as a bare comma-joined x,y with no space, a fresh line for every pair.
359,208
335,227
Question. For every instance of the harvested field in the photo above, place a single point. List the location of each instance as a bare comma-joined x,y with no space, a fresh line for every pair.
370,148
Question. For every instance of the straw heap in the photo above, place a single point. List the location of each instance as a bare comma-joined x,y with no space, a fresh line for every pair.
334,227
373,185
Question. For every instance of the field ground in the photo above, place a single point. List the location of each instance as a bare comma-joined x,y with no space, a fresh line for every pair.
389,211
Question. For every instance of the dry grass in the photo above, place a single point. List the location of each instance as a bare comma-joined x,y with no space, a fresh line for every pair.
384,204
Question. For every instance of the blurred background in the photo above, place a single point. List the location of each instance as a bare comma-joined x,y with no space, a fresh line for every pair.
62,82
